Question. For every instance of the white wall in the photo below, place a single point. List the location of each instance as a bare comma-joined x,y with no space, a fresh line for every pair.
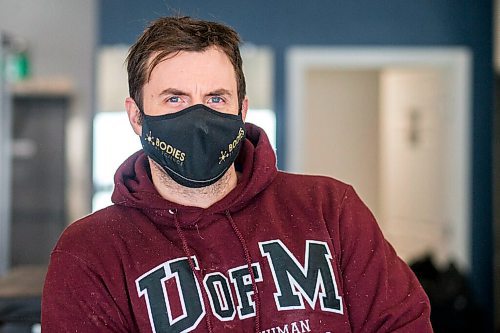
358,128
61,36
340,123
414,189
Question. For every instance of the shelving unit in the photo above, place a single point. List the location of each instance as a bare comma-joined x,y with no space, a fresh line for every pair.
33,167
38,200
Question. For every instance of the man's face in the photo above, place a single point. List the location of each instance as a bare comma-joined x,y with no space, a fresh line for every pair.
190,78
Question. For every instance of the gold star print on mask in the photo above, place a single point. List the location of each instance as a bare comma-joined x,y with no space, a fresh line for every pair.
223,156
150,138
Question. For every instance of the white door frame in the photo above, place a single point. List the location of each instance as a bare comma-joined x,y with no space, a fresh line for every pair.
5,166
457,61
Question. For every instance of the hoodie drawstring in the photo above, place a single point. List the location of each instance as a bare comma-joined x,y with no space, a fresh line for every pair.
250,269
185,248
248,259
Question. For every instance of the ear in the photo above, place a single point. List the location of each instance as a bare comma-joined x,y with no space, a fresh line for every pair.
134,115
244,108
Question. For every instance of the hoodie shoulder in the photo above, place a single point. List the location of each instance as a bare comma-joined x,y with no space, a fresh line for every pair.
94,230
324,184
310,192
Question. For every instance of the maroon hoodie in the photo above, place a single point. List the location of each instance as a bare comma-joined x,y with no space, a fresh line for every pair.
319,262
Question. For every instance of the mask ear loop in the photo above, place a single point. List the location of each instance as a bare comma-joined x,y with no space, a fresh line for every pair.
240,110
140,117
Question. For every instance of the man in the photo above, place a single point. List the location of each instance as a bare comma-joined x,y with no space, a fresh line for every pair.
205,235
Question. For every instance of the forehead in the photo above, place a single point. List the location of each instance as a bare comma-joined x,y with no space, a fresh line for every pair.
209,67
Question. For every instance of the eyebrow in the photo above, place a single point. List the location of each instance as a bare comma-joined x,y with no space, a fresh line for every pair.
174,91
220,92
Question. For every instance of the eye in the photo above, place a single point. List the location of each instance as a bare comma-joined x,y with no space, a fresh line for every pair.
216,100
174,99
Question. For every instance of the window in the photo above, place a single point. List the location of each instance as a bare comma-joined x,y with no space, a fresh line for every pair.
114,141
265,119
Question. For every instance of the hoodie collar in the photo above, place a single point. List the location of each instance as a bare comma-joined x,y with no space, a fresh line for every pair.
256,162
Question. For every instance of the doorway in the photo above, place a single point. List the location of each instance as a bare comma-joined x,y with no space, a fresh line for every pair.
393,123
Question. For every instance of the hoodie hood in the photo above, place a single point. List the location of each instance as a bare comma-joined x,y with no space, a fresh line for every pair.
256,162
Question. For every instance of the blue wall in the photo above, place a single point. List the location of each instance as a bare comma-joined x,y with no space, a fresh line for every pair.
282,23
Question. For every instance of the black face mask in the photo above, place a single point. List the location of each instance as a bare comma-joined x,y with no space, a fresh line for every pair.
195,146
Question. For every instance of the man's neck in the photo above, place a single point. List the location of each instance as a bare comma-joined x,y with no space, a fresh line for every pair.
202,197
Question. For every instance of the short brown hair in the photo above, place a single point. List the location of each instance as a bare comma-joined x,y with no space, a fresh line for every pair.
170,35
